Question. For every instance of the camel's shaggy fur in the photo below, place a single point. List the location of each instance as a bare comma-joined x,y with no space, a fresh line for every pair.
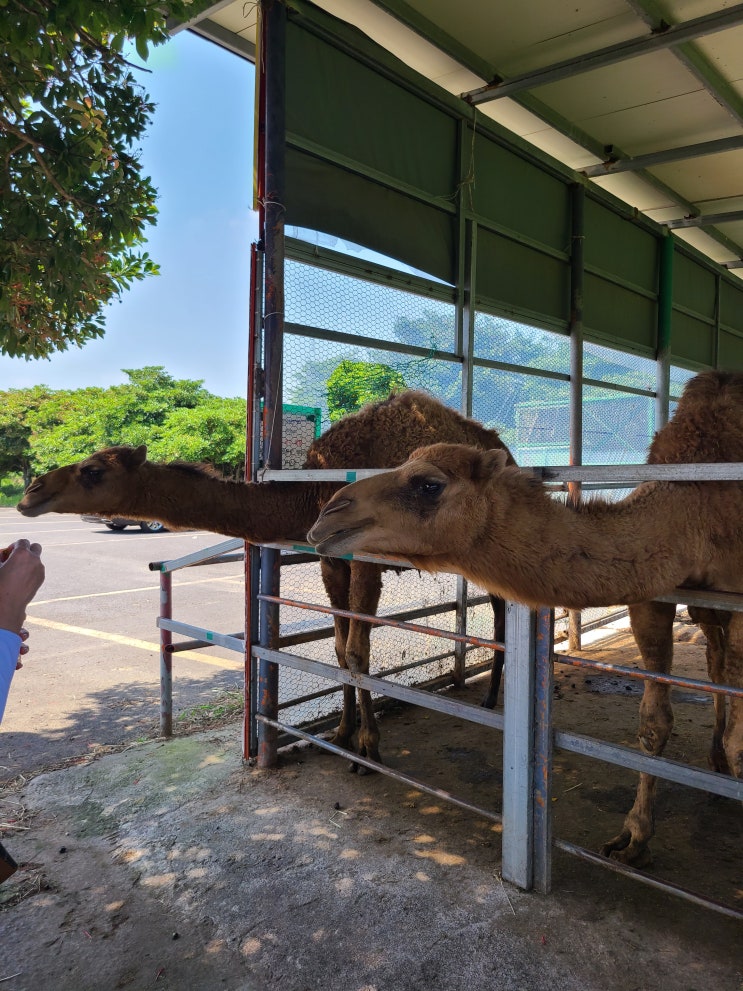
119,481
455,508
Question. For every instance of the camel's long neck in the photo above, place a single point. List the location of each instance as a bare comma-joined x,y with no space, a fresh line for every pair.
604,554
260,513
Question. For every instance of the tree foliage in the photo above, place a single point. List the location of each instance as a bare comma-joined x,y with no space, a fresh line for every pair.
74,204
41,429
354,383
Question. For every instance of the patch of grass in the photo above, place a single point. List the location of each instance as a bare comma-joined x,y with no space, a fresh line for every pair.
226,706
11,489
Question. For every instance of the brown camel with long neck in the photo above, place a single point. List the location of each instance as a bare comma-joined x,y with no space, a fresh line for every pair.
455,508
119,481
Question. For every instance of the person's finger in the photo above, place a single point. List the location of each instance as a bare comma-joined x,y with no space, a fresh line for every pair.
23,633
18,664
24,649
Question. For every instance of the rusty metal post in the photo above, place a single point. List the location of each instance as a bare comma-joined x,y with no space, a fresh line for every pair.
252,458
273,109
166,657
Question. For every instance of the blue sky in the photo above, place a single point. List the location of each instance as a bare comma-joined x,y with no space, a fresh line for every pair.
192,318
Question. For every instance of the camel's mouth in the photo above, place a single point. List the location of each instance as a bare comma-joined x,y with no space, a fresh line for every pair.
27,510
30,506
335,543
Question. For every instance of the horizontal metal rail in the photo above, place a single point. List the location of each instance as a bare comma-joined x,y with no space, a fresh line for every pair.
205,556
374,683
666,886
211,637
641,674
659,767
373,765
725,471
384,621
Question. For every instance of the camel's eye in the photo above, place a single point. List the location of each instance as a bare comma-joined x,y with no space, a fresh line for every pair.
90,475
429,487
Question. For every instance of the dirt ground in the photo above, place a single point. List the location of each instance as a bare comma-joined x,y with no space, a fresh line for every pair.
171,865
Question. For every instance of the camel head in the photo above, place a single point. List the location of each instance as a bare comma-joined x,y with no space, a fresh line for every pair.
94,485
424,508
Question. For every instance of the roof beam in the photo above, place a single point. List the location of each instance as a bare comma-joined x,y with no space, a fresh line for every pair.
705,220
234,43
612,165
664,37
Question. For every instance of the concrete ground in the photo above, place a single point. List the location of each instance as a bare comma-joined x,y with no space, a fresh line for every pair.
171,865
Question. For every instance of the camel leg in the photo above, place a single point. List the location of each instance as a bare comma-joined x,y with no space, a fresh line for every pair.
499,634
366,588
732,739
336,576
631,845
714,626
652,626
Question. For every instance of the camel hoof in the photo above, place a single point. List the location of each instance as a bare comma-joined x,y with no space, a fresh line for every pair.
626,850
488,702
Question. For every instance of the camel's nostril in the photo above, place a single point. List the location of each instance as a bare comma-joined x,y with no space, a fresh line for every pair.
335,506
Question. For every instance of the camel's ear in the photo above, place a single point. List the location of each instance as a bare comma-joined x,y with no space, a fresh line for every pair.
133,457
488,464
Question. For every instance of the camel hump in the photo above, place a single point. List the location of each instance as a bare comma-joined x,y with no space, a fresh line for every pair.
707,425
710,386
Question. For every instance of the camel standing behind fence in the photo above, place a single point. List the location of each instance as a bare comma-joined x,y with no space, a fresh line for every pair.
455,508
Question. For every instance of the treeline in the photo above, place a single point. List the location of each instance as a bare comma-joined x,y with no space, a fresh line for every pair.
41,428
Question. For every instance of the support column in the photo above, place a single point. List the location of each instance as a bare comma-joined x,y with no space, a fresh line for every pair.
665,315
273,109
518,747
577,240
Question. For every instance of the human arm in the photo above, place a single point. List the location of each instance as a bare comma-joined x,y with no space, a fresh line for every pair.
10,645
21,575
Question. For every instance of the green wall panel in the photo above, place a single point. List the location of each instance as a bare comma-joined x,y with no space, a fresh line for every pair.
618,246
517,194
692,340
618,313
731,305
328,198
346,107
730,355
694,285
521,277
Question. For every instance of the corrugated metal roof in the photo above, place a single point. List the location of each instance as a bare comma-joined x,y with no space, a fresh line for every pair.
645,96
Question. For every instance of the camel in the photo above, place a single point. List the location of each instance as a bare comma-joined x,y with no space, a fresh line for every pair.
455,508
120,481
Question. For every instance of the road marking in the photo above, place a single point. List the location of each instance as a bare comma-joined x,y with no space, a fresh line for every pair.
143,588
50,624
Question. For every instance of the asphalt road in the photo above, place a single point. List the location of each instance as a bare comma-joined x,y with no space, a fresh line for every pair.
92,675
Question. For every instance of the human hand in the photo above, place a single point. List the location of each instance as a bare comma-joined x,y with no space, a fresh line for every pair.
23,633
21,576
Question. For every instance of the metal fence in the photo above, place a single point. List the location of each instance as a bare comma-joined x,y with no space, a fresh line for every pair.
529,735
